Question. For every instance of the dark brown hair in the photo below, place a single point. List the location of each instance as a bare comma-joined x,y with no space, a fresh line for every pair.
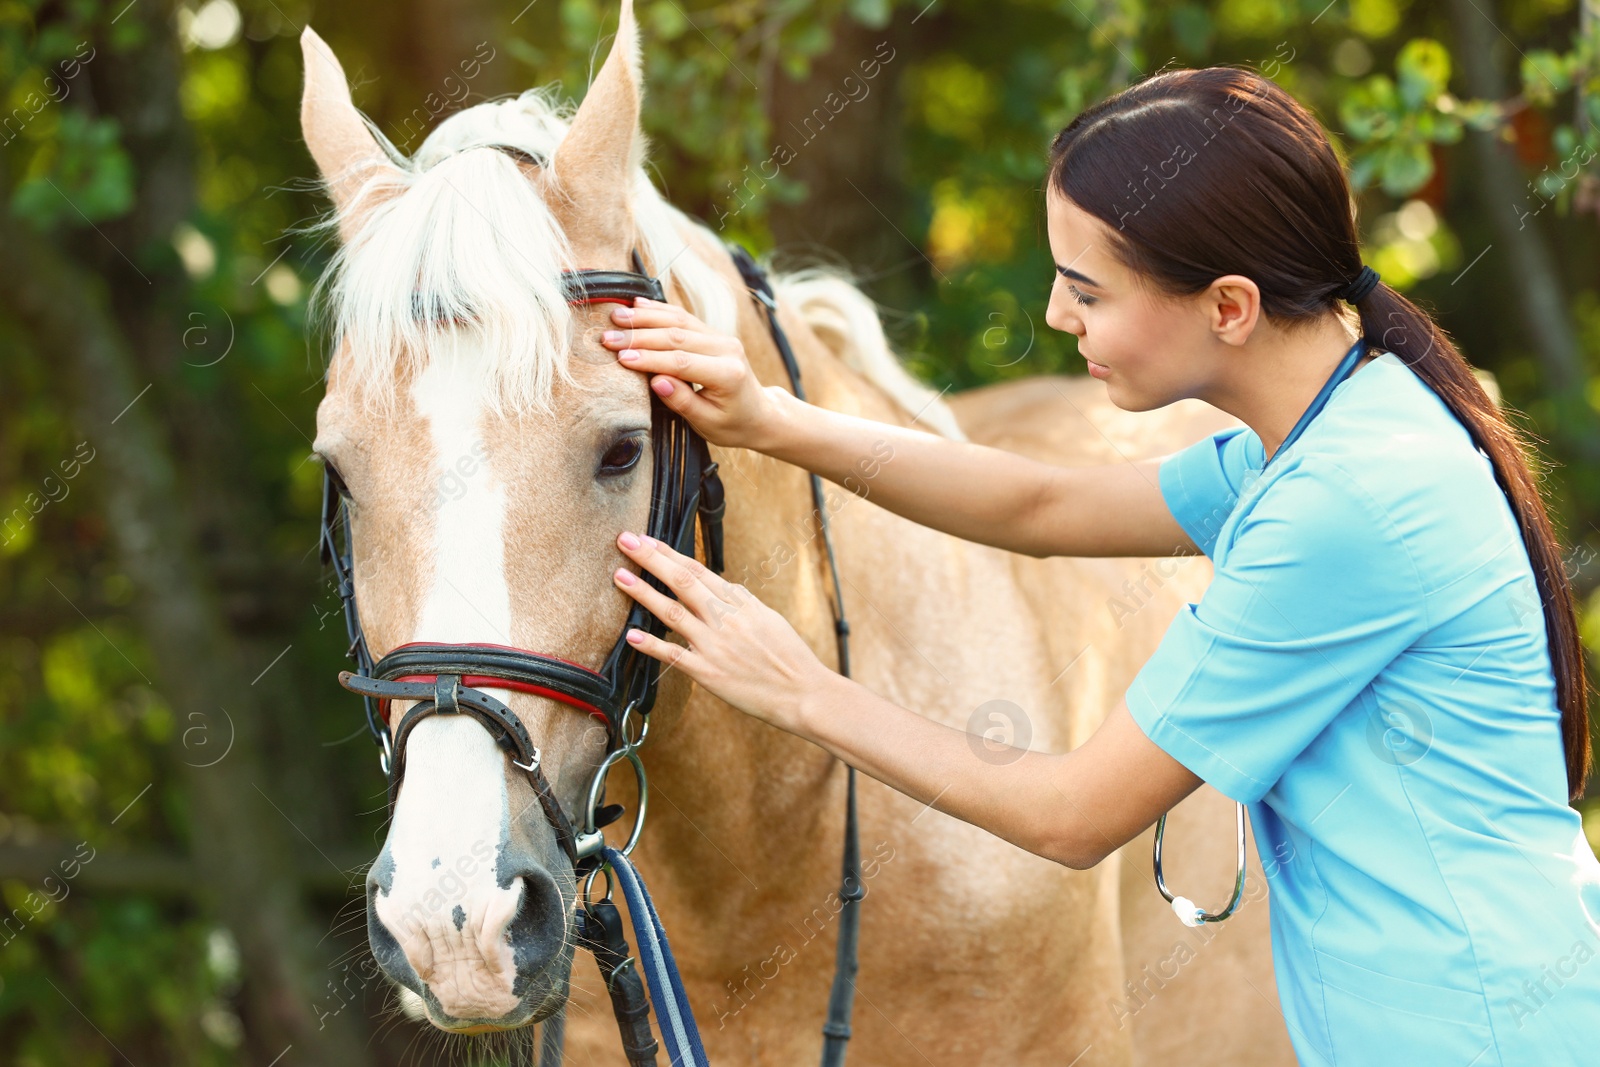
1201,173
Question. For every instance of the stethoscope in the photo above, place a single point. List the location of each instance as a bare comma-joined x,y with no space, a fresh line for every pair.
1189,913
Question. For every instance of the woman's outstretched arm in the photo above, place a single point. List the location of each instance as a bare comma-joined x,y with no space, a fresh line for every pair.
974,492
1071,807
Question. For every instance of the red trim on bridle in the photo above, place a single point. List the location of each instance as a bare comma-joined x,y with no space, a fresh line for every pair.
625,301
489,681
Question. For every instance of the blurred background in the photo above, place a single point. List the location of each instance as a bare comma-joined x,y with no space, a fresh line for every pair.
187,799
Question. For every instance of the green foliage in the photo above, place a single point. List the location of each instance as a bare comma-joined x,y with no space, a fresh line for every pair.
68,165
979,90
81,176
1400,120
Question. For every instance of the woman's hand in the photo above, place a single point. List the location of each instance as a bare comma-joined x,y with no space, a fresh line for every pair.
675,348
738,648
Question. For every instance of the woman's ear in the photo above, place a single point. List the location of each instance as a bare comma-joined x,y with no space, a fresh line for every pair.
1232,305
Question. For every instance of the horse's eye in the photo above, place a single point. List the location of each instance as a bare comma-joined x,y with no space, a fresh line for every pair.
623,456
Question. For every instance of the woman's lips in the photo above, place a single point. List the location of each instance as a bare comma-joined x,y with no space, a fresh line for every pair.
1095,369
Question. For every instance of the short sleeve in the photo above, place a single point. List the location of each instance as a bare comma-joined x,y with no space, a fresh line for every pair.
1317,594
1201,483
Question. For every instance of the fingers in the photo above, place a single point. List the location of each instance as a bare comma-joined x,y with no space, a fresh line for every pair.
696,605
715,372
674,347
709,594
670,338
647,313
663,326
679,615
665,651
662,339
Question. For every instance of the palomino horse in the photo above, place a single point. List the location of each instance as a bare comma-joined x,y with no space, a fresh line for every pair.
489,469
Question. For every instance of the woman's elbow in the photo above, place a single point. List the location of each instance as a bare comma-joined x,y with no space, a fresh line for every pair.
1079,855
1082,861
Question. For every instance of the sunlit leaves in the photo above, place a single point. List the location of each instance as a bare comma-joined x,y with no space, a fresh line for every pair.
1374,18
1371,110
874,13
214,86
1545,74
663,20
1254,18
1423,67
1400,119
1409,244
975,225
78,177
952,97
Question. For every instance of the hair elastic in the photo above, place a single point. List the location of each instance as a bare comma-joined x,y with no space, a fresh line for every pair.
1364,283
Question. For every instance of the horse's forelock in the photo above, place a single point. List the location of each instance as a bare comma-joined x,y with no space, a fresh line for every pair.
468,236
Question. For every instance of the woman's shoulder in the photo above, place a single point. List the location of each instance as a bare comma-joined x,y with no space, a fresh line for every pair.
1395,438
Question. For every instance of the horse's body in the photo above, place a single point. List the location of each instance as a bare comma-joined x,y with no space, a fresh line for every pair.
973,951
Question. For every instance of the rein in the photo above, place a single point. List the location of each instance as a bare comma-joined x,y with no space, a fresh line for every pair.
449,679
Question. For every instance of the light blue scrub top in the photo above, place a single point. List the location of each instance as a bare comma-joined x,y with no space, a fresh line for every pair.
1368,671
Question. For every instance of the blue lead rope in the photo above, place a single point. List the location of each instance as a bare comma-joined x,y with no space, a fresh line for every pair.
673,1014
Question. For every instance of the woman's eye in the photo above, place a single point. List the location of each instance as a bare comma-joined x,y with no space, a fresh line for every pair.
1080,297
622,456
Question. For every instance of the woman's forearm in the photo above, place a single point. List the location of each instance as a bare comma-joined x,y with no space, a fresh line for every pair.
972,491
1011,792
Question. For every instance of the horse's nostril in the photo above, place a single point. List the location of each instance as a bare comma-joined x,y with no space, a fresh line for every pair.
538,928
387,950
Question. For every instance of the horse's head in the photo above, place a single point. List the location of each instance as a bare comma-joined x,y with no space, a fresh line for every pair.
492,450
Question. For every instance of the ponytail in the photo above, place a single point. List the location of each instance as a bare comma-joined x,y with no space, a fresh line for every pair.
1390,322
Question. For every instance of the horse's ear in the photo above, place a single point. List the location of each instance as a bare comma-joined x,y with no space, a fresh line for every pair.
594,163
345,151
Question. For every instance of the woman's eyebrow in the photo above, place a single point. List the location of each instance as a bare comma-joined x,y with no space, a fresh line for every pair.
1068,272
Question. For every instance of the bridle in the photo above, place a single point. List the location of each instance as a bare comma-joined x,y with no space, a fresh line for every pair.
449,679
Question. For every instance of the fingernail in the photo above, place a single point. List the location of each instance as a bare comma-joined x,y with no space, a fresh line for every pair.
643,300
625,576
628,354
611,335
635,636
622,313
629,541
662,386
646,541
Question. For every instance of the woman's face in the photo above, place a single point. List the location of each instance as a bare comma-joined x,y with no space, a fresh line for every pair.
1150,350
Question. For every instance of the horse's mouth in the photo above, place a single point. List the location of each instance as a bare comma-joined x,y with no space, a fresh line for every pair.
426,1009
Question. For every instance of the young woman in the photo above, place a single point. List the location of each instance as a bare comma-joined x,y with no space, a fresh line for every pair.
1386,665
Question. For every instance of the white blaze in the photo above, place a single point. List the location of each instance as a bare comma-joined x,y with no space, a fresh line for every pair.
445,907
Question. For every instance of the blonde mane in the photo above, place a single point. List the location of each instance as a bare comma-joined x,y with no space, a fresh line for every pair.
458,232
